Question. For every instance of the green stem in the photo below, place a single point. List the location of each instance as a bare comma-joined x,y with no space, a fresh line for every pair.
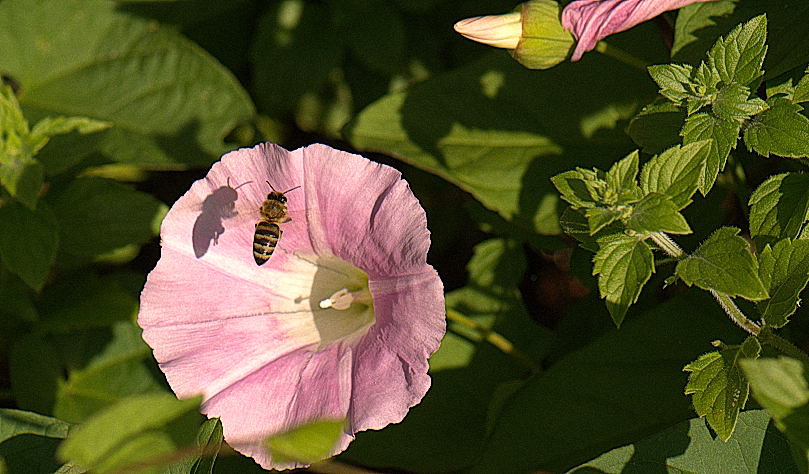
726,302
493,338
626,58
766,336
667,245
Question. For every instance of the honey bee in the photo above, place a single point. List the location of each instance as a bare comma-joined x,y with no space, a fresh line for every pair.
268,231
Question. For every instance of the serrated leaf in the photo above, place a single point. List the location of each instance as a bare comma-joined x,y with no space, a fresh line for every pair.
28,241
622,180
781,130
575,224
131,431
725,133
801,93
170,102
784,270
733,102
574,187
657,213
305,444
673,80
718,388
693,20
676,172
779,207
739,57
600,217
723,263
623,265
780,386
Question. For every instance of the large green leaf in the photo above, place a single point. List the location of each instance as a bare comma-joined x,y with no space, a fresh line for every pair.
756,446
738,57
621,388
28,241
500,131
781,130
169,102
676,172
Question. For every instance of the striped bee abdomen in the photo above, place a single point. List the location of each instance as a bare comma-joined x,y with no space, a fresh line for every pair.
264,240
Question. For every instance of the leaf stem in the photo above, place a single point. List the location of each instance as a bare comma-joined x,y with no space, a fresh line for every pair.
767,336
621,55
494,339
667,245
736,315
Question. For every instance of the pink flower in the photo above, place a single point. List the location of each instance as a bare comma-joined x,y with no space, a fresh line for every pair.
338,324
593,20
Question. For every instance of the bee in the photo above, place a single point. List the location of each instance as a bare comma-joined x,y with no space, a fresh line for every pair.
268,231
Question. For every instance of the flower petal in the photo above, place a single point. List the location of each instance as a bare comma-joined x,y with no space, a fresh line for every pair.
593,20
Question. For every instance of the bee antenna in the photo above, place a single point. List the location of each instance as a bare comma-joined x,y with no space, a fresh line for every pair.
292,189
270,186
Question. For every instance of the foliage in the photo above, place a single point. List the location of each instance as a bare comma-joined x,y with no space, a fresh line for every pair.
596,226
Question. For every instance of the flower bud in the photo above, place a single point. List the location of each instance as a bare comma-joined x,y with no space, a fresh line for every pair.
500,31
534,33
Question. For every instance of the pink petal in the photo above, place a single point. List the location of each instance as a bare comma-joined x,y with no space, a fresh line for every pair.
252,339
593,20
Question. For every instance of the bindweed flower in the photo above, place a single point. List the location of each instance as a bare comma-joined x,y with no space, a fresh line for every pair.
337,324
534,33
593,20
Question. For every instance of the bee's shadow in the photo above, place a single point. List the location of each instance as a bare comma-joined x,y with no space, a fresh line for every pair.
209,226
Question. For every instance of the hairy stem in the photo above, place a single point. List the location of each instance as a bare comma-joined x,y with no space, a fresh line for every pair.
767,336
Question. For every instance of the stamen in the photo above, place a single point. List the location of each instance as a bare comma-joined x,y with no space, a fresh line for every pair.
341,299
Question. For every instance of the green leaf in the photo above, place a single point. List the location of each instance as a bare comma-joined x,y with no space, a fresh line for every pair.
733,102
28,442
505,155
676,172
133,430
305,444
22,176
28,241
779,207
576,188
657,127
738,57
756,446
112,375
98,215
169,102
784,270
575,224
85,301
657,213
780,386
673,80
801,93
623,265
623,385
35,372
600,217
725,133
692,22
718,388
209,442
17,422
723,263
781,130
622,180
